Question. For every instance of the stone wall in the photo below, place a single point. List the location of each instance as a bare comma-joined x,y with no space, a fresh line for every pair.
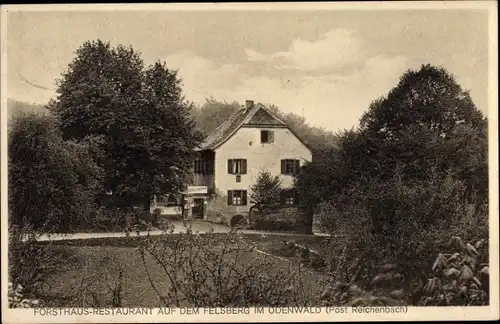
219,212
282,218
289,218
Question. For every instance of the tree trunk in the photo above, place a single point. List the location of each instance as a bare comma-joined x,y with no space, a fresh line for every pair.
146,208
309,220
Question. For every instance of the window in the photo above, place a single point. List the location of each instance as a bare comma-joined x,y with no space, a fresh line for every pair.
203,166
236,197
237,166
199,166
289,197
266,136
290,167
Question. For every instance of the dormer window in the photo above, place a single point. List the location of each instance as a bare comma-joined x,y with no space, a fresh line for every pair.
266,136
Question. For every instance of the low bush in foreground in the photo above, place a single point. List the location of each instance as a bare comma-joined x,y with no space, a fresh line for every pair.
214,271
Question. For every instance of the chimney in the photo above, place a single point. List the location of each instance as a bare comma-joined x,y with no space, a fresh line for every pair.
248,104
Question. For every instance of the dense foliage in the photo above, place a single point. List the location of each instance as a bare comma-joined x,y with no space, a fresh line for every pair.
147,133
52,183
414,174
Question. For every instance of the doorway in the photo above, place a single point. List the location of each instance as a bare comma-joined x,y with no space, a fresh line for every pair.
198,209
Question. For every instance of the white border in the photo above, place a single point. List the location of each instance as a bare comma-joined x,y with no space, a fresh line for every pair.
414,313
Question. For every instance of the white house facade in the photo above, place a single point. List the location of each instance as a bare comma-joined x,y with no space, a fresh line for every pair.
251,140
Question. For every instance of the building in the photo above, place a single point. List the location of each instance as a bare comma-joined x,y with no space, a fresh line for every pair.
230,159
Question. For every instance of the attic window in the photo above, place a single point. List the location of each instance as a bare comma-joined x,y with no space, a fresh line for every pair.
266,136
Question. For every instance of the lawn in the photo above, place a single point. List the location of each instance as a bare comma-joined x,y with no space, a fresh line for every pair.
89,273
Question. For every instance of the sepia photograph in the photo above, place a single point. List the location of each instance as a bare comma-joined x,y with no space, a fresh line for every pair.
249,162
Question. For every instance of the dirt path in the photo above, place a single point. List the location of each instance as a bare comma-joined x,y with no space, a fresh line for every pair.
179,227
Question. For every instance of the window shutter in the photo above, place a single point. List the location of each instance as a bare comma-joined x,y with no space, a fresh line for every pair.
283,169
244,197
271,136
229,197
297,166
297,197
244,166
230,166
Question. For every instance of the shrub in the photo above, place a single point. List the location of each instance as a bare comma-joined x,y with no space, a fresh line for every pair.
114,220
274,225
394,221
345,294
156,216
52,183
219,270
17,299
303,254
237,221
460,278
30,264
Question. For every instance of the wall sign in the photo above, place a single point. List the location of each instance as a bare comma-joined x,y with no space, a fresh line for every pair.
197,190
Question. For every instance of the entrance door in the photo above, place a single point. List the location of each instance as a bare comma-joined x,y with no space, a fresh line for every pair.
198,208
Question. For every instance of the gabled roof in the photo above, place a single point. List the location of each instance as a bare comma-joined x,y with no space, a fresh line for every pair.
244,116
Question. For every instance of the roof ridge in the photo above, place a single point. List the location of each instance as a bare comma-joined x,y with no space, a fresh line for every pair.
232,124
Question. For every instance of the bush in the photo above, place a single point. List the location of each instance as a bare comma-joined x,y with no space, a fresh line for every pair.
394,221
303,254
30,263
52,183
237,221
460,278
211,271
275,225
155,219
17,299
345,294
113,220
124,219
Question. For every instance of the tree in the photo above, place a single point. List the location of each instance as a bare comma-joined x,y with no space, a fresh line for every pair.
405,181
148,137
318,139
165,138
424,122
328,173
266,190
16,108
52,183
213,113
428,97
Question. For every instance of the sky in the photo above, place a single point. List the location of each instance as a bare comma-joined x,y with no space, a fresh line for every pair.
325,65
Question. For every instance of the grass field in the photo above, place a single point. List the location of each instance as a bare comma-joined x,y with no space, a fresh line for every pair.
88,275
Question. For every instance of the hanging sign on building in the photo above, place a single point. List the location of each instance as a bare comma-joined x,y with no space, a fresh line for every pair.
197,190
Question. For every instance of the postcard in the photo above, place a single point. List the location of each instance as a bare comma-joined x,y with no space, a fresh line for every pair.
249,162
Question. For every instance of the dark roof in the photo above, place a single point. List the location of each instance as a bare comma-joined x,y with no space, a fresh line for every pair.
228,128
